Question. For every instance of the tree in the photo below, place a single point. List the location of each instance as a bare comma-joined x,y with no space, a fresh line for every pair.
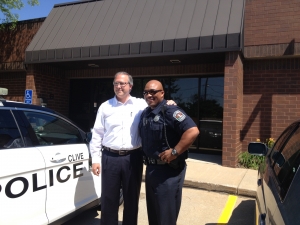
6,7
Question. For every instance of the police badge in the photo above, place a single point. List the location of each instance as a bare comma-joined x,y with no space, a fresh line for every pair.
156,118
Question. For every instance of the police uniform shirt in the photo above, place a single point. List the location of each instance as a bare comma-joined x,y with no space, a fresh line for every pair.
116,126
152,128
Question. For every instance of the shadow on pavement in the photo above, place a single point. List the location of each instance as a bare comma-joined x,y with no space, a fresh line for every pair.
209,157
82,218
246,209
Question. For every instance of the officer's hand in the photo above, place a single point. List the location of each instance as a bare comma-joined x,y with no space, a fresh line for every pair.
167,156
96,169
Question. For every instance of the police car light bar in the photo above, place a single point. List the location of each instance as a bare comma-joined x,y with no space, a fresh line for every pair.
3,91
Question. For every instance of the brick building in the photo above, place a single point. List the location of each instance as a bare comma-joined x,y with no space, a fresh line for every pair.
230,61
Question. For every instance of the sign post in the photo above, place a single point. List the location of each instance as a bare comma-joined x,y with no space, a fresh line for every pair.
28,96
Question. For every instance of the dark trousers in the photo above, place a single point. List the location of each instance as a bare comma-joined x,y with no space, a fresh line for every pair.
117,171
163,193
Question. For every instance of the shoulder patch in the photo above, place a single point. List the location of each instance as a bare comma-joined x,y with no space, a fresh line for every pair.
178,115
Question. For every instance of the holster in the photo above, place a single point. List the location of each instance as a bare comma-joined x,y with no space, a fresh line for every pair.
177,163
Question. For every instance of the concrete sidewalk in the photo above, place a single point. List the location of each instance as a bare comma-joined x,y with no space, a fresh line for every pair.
206,172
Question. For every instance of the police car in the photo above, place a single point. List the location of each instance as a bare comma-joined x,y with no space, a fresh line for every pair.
45,175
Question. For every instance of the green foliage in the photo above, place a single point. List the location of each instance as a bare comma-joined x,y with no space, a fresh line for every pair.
249,161
6,6
270,142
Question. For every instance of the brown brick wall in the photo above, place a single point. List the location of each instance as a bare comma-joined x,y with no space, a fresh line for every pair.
275,50
271,98
50,84
15,82
14,43
233,109
271,22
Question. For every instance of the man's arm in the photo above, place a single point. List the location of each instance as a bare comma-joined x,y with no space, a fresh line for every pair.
96,143
187,138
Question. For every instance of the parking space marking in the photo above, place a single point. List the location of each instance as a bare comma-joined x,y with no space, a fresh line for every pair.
227,211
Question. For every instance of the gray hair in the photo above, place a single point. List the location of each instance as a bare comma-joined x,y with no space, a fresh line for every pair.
130,79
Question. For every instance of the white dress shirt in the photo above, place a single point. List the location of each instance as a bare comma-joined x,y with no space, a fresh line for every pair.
116,126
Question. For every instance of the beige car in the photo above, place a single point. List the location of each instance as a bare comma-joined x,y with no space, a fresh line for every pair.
278,190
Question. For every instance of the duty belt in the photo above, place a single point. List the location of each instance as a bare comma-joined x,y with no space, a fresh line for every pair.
152,161
120,152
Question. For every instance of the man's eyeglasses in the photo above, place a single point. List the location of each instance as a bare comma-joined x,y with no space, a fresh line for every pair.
151,92
122,84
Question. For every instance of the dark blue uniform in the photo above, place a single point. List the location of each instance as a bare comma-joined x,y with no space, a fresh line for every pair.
163,181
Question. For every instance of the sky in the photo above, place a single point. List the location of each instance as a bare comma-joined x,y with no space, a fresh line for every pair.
42,10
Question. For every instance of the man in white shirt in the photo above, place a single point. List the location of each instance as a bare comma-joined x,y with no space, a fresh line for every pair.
116,146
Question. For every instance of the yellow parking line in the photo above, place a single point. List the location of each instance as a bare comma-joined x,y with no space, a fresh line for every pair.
227,211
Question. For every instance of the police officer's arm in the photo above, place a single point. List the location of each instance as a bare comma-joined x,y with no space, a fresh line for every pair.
187,138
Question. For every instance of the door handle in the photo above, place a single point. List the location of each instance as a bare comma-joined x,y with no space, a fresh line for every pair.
259,182
58,158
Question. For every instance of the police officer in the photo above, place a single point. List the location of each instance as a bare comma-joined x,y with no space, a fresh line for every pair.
166,132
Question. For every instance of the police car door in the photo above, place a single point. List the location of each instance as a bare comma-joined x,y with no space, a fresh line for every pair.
22,175
70,185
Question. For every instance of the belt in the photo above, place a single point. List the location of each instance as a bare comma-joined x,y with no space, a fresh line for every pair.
120,152
151,161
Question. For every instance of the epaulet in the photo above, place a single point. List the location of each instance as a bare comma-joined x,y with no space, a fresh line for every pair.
166,106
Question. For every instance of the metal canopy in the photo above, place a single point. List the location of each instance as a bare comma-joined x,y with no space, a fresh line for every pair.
107,29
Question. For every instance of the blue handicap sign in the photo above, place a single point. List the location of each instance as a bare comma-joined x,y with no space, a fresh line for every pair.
28,96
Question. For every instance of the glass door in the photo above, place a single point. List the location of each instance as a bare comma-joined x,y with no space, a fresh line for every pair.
211,113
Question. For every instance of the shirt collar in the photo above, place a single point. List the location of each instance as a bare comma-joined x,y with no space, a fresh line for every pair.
116,102
157,109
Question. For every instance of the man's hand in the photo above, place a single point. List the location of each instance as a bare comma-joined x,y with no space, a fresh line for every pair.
96,169
171,102
167,156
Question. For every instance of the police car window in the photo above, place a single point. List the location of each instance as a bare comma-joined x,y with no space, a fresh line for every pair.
9,133
27,134
287,162
51,130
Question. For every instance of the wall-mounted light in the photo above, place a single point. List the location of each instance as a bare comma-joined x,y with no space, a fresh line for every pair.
175,61
93,65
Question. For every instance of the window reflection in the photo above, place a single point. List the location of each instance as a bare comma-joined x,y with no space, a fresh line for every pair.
211,98
202,100
185,93
211,113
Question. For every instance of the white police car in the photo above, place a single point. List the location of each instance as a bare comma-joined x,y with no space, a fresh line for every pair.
45,175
